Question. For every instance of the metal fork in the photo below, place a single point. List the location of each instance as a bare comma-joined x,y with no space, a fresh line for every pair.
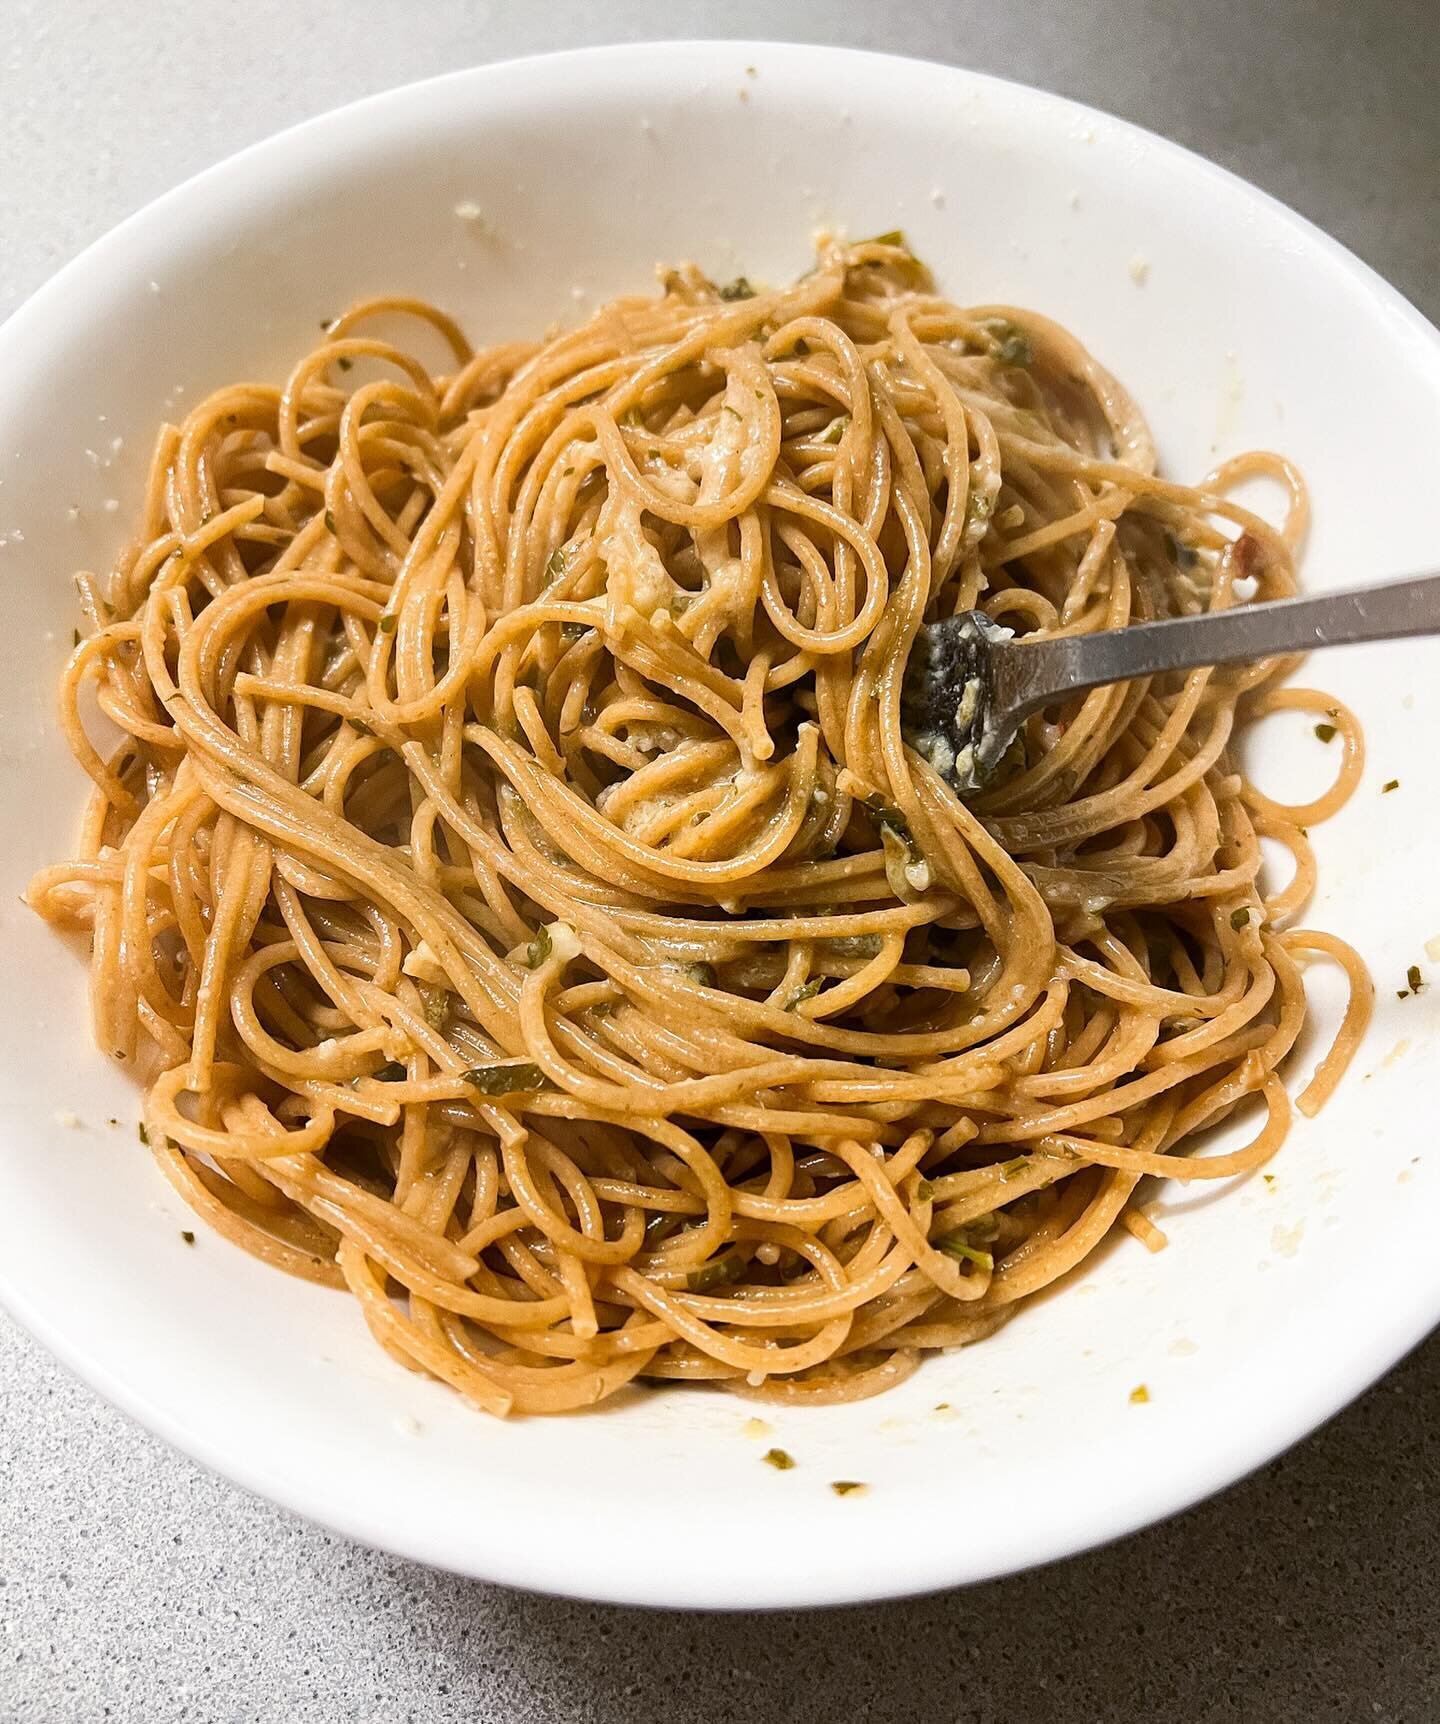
970,684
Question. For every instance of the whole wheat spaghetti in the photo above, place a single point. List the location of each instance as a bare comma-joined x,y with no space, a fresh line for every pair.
513,891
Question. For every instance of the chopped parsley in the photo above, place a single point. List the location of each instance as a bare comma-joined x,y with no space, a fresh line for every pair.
957,1245
539,949
835,430
805,992
845,1487
740,288
892,236
555,563
344,363
779,1459
1326,732
1389,785
187,1236
388,622
1412,975
330,526
718,1272
144,1135
978,509
885,816
1239,919
925,1191
1013,346
391,1072
437,1008
856,945
1016,1169
506,1079
360,725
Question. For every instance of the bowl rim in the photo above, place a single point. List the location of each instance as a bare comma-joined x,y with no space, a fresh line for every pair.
24,338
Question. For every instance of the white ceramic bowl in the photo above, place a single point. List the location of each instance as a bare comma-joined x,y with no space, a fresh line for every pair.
1235,323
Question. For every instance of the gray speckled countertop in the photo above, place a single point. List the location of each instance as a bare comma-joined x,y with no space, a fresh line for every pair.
135,1586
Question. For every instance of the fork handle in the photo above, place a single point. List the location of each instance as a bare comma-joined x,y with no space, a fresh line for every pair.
1030,675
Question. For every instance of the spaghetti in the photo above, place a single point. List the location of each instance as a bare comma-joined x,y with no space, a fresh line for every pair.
513,891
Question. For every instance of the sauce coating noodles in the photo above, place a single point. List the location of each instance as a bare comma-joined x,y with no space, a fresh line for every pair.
514,893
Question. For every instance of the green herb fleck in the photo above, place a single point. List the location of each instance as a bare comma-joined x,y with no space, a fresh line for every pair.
388,622
1013,346
835,430
978,509
391,1072
845,1487
779,1459
718,1272
344,363
1182,555
885,816
1326,732
328,323
1412,975
856,945
555,563
187,1236
1016,1169
572,632
330,526
437,1008
144,1135
360,725
891,236
925,1191
1389,785
701,973
740,288
957,1245
506,1079
1239,919
539,949
807,991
